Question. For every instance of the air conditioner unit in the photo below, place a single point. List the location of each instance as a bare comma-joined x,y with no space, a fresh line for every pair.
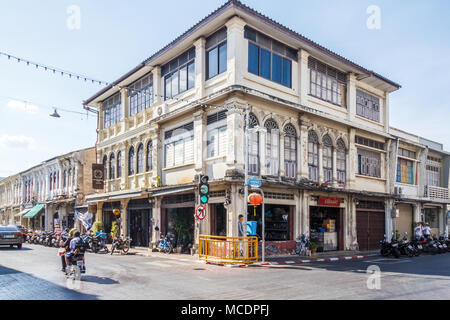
162,109
398,191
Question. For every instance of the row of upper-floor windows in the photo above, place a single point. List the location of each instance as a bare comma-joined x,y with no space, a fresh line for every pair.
267,58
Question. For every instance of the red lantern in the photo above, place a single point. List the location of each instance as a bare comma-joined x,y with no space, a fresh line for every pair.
255,199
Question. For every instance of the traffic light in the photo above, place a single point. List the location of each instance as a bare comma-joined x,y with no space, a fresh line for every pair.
203,189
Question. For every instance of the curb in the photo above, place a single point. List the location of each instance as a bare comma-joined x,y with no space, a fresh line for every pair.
289,262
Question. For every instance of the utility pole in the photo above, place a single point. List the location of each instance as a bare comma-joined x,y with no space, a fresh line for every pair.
247,124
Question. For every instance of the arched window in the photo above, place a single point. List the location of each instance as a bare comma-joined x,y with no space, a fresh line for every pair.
253,152
131,161
112,166
69,178
327,159
341,162
313,156
290,151
64,179
272,148
119,164
105,166
149,156
51,184
140,159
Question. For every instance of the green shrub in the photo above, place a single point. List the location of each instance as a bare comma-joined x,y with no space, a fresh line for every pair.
115,229
97,226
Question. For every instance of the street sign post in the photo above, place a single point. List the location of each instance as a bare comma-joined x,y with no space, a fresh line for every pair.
254,183
200,212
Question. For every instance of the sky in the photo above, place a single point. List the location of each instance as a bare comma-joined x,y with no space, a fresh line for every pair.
411,47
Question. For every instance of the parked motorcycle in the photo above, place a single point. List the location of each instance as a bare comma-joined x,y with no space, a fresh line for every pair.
389,247
406,248
98,242
120,244
165,245
302,245
445,241
440,246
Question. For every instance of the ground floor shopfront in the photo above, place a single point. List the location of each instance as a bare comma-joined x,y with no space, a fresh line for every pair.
334,220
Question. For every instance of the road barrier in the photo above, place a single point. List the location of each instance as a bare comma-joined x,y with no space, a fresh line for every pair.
231,250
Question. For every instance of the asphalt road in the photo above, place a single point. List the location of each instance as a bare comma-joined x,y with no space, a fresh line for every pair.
34,273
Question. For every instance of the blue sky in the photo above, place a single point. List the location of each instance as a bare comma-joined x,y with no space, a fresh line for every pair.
412,48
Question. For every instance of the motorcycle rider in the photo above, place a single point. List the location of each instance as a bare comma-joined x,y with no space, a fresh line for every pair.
418,230
65,244
74,244
427,231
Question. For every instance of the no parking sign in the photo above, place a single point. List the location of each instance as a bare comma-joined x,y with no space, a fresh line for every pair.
200,212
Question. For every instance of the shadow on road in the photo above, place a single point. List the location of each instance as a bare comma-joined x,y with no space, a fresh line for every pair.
17,285
14,249
426,265
99,280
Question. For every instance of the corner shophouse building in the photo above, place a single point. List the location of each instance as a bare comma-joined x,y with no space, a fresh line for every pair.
44,197
323,155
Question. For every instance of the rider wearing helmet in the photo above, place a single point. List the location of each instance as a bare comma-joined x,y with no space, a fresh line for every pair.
64,243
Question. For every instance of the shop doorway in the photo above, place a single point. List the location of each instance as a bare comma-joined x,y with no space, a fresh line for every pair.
108,215
326,225
278,221
370,224
218,220
139,222
179,225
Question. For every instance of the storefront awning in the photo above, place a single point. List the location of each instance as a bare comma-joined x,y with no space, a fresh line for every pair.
171,191
21,213
33,212
126,196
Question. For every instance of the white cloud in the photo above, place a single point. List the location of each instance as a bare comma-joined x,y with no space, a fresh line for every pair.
17,142
22,106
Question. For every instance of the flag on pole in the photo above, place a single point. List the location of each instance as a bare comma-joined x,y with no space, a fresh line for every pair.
86,217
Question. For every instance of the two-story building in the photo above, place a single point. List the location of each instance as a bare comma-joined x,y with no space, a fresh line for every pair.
318,130
44,197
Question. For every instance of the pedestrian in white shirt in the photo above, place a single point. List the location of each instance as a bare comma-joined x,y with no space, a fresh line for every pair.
418,230
427,230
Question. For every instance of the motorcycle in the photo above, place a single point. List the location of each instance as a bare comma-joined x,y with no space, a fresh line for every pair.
417,244
440,246
165,245
389,247
98,242
445,242
76,264
121,245
406,247
302,245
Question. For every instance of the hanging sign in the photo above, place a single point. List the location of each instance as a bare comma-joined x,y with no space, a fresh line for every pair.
200,212
98,176
329,202
116,212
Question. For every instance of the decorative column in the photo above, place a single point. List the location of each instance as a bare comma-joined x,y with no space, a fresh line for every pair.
200,67
321,177
124,217
158,91
235,137
304,76
351,97
125,103
281,154
99,214
335,177
352,164
200,141
237,50
302,153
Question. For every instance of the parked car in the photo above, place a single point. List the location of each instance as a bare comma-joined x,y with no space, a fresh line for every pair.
11,235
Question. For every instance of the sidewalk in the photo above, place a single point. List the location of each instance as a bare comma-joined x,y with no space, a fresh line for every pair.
319,257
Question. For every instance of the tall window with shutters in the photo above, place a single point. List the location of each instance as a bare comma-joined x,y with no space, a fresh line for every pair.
369,163
216,53
253,152
179,146
341,162
140,159
327,83
217,134
327,159
112,111
119,164
131,162
112,167
141,94
290,151
272,148
313,156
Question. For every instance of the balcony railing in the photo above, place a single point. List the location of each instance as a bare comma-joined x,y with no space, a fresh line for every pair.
436,192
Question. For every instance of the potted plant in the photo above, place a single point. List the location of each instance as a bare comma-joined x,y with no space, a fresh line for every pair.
313,247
